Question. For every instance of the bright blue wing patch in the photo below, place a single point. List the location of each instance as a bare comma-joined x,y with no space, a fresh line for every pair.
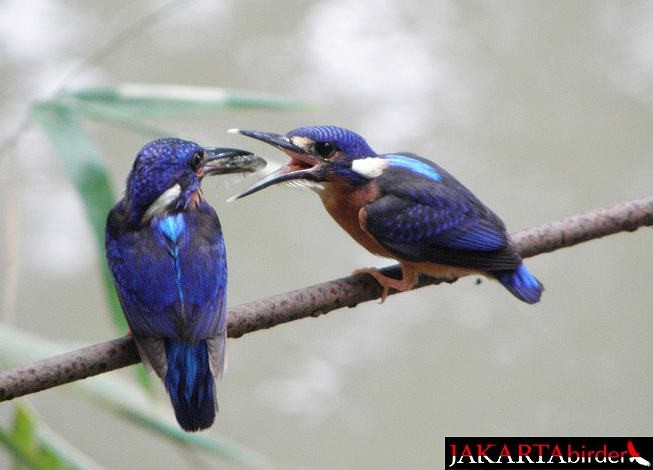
416,166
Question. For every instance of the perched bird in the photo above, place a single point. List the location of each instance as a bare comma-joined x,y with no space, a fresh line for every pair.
401,206
165,250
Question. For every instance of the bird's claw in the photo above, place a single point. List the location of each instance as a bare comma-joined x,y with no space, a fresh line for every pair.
387,282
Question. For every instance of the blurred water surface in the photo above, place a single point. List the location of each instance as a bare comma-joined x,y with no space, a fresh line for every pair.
543,109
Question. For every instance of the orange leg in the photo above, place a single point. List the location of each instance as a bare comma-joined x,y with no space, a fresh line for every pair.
408,280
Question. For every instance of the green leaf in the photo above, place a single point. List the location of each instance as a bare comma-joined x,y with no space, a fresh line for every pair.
34,445
63,450
28,448
23,431
17,452
86,169
108,112
123,397
165,100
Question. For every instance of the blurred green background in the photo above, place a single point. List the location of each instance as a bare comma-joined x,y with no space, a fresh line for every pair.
543,108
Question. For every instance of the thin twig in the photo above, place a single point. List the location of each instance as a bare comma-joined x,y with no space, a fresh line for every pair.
317,300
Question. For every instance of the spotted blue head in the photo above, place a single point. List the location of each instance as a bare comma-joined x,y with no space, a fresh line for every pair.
317,153
167,174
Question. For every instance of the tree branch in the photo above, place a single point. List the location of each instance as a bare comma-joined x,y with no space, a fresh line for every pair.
317,300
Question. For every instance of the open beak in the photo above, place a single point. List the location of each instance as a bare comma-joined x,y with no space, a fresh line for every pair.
220,161
302,165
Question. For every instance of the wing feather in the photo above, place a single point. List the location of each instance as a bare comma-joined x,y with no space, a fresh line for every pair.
421,218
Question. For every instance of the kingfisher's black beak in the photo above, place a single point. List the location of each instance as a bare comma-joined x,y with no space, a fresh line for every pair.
280,141
221,161
302,164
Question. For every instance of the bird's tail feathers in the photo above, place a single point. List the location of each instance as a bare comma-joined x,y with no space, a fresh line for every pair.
190,383
521,283
217,346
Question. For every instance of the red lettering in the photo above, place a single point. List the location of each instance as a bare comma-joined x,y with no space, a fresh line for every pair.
453,455
481,451
556,452
505,452
524,450
540,448
465,452
540,452
601,455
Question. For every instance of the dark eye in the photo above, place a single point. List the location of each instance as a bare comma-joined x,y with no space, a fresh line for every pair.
196,160
325,149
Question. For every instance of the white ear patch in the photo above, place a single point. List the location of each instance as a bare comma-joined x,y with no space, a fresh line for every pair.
369,167
162,202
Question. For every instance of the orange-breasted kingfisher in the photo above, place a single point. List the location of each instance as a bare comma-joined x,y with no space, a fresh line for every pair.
165,249
402,206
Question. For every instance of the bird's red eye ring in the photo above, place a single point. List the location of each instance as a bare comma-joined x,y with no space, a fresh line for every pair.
325,149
